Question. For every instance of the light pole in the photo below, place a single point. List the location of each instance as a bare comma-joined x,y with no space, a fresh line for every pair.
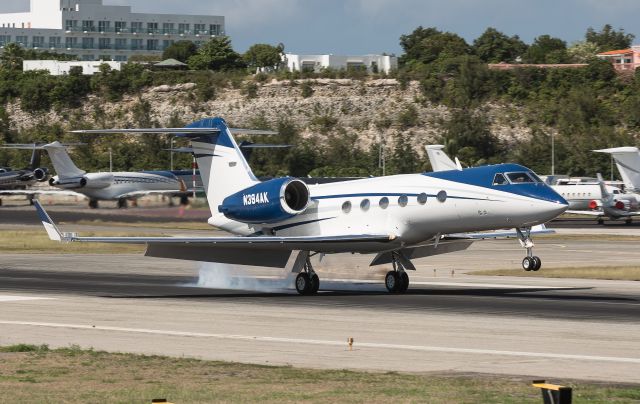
553,154
381,156
110,160
171,153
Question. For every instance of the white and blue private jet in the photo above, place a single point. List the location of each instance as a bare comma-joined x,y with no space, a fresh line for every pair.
282,222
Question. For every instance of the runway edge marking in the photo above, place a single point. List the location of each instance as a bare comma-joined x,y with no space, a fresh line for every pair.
326,342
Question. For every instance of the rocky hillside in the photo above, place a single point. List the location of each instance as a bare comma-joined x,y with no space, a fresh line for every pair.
368,108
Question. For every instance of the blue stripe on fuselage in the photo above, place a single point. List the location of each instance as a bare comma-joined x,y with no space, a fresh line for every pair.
483,177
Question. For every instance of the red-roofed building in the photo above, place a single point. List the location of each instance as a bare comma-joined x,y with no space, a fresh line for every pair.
623,59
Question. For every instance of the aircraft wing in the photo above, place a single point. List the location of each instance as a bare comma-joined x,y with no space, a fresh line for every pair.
261,250
140,194
28,192
586,212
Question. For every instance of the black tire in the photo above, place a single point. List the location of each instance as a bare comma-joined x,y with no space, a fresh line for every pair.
628,221
404,282
392,281
303,283
600,221
315,284
122,203
528,263
93,203
537,263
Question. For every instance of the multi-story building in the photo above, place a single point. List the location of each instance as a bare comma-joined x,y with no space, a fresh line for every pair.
94,31
623,59
373,63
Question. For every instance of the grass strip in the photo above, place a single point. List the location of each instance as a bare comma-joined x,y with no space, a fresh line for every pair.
202,225
31,373
37,242
630,273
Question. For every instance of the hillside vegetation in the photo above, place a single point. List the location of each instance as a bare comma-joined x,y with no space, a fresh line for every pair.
343,122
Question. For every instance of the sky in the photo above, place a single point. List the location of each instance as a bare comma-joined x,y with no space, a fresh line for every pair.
375,26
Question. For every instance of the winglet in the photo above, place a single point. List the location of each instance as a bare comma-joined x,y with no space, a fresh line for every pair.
49,226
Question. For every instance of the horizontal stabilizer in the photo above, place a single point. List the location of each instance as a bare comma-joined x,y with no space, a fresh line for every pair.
174,131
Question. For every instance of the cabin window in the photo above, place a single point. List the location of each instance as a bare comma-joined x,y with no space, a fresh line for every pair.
422,198
346,207
442,196
499,179
384,202
365,204
403,201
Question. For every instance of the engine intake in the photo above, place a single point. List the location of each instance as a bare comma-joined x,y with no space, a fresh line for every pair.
268,202
41,174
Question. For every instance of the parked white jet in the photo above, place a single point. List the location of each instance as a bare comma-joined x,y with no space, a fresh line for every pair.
282,222
119,186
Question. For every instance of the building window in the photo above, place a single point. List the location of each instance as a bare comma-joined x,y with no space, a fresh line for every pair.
38,41
214,29
5,39
104,43
136,27
120,58
168,28
88,57
70,43
136,44
104,26
121,43
152,27
120,26
184,29
106,58
199,28
152,44
166,44
55,42
22,40
71,25
87,43
87,25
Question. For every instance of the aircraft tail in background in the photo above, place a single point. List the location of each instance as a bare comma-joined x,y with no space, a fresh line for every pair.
628,163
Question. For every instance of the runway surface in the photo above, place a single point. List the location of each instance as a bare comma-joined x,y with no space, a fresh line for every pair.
546,328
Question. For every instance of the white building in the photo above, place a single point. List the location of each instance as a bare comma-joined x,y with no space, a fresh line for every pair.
93,31
373,63
59,68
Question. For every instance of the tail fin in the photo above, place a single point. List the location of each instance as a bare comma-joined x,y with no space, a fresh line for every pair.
35,158
439,159
223,168
65,168
628,163
603,188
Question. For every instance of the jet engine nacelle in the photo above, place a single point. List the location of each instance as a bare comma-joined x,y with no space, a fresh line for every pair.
41,174
90,181
268,202
626,204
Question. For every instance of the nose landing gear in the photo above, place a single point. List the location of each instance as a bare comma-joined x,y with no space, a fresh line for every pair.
530,262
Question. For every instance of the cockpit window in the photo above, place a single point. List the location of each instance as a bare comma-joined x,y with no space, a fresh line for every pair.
519,178
499,179
535,177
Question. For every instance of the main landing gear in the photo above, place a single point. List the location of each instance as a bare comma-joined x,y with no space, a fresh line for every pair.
93,203
396,281
307,281
530,262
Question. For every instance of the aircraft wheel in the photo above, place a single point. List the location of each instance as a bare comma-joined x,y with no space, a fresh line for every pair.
93,203
404,284
600,221
628,220
537,263
315,284
528,263
122,203
303,283
392,281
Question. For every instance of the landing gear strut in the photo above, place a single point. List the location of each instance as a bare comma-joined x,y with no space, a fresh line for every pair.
122,203
530,262
396,281
93,203
307,281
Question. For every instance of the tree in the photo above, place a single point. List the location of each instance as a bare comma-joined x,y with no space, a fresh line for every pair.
547,49
263,55
12,57
468,137
609,39
428,45
181,50
410,42
494,47
583,51
216,54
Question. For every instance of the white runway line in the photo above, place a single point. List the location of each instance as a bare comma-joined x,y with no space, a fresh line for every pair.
9,298
423,348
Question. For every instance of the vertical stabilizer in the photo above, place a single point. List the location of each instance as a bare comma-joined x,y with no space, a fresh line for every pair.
628,163
223,168
439,159
64,166
35,158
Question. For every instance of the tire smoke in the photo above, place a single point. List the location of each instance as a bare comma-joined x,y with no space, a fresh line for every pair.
239,277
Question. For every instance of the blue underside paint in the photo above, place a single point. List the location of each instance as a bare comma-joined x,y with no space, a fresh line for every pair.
483,177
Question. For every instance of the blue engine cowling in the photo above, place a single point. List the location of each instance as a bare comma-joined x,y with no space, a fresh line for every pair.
268,202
